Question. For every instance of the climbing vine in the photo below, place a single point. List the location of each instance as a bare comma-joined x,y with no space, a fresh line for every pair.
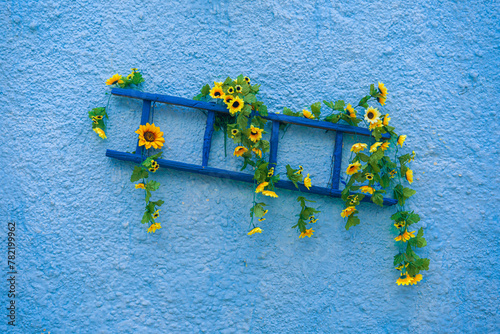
372,169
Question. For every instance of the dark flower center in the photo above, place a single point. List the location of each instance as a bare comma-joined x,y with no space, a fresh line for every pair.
149,136
370,115
236,104
254,132
217,93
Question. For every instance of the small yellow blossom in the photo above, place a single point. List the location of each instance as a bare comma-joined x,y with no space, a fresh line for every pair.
257,152
307,181
353,168
307,114
356,148
100,132
374,147
409,175
239,151
269,193
386,119
405,236
401,140
347,211
140,186
372,115
115,79
261,187
255,230
306,233
154,227
255,134
385,146
367,189
351,110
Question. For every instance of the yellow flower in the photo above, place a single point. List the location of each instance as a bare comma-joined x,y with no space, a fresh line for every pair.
367,189
386,119
347,211
255,134
409,175
261,187
247,79
372,115
375,125
115,79
234,132
150,135
401,140
218,84
266,211
307,233
353,168
271,172
98,117
230,90
217,93
374,147
262,219
228,98
392,173
400,267
269,193
351,110
139,186
353,198
299,172
412,158
235,105
154,227
257,152
134,70
307,114
399,224
239,151
358,147
313,220
383,93
156,214
130,76
405,236
307,181
385,146
404,279
100,132
255,230
369,176
416,279
238,88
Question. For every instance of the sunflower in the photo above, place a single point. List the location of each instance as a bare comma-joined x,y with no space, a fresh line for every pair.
417,278
312,220
235,105
100,132
353,198
217,92
239,151
369,176
392,173
375,125
400,224
266,211
230,90
261,187
385,146
269,193
150,135
374,147
353,168
307,114
257,152
94,120
115,79
405,236
156,214
367,189
409,175
130,76
255,134
228,98
139,186
98,117
350,109
348,211
356,148
404,279
262,219
383,93
386,119
154,227
218,84
234,132
400,267
307,182
134,70
255,230
372,115
401,140
247,79
299,172
238,88
306,233
271,172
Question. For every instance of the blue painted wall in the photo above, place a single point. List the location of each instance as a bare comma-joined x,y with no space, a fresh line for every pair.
87,265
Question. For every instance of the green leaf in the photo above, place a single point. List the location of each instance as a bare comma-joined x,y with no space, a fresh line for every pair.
152,185
404,158
378,199
148,195
364,101
363,157
398,259
334,118
422,264
408,192
250,98
242,121
339,105
138,173
205,90
146,217
352,221
373,91
328,104
316,109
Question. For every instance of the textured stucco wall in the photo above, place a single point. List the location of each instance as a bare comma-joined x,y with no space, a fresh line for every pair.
86,263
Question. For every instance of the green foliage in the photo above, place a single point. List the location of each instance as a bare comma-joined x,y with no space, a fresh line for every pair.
294,175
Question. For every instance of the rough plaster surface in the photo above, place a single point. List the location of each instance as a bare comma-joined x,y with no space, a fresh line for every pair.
86,263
